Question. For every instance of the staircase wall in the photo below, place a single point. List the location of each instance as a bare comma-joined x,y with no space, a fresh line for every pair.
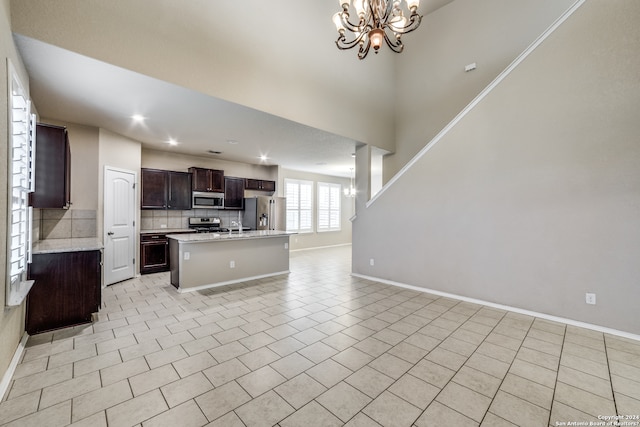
533,198
432,86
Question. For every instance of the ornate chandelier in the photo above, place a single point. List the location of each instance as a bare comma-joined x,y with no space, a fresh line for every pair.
378,20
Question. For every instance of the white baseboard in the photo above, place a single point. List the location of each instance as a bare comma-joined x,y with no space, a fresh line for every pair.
230,282
6,378
506,307
320,247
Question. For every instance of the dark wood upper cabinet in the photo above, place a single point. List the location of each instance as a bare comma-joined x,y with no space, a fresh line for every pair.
260,185
211,180
154,189
52,168
233,193
179,190
163,189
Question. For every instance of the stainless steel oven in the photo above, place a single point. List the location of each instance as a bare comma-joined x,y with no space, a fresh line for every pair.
202,200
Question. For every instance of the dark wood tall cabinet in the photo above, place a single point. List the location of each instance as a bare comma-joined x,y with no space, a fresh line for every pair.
163,189
233,193
52,168
66,291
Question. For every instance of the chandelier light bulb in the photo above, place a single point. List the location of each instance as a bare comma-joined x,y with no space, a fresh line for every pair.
361,7
398,22
413,4
376,36
337,20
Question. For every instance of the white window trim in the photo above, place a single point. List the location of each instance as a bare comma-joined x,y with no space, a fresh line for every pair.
21,138
301,182
329,186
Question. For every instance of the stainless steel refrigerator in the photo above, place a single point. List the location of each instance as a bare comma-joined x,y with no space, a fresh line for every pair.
265,213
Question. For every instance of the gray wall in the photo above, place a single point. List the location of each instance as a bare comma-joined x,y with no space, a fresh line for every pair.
533,199
431,84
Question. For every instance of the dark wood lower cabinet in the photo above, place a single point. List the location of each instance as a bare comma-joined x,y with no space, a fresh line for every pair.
66,292
154,252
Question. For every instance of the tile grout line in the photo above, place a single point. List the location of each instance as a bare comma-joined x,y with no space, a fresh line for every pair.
587,373
606,353
555,385
510,364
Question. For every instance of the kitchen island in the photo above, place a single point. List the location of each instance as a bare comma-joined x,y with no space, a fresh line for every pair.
206,260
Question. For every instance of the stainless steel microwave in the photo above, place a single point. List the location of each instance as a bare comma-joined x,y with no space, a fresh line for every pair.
202,200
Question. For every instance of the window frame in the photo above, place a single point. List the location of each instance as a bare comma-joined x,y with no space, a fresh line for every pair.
300,183
335,187
21,141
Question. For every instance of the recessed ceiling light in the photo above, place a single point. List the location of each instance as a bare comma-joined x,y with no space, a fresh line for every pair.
172,141
138,118
232,142
321,163
214,152
263,157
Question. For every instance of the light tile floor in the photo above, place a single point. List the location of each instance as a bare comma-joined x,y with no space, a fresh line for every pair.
317,347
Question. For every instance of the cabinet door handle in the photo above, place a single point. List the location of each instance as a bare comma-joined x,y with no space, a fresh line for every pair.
110,233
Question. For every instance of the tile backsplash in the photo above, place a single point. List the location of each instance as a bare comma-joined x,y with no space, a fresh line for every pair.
159,219
79,223
64,223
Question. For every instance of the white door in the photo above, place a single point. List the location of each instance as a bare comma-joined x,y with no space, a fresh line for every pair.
119,226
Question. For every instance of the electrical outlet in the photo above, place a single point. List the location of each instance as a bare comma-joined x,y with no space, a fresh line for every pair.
187,255
371,262
232,264
163,225
590,298
286,245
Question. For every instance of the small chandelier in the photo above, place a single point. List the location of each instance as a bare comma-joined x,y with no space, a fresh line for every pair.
351,191
378,20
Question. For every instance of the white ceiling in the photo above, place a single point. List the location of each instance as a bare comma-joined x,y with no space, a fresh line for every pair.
73,88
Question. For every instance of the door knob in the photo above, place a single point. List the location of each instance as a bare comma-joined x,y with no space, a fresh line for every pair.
110,233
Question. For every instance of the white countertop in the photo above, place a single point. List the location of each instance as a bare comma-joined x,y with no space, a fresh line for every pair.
66,245
210,237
